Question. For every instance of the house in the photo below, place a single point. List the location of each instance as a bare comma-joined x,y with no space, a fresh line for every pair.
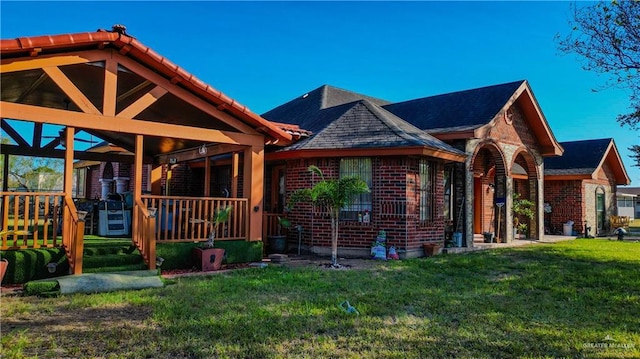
451,161
581,186
629,202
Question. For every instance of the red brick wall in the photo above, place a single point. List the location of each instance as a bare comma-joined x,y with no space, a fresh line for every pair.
566,200
395,205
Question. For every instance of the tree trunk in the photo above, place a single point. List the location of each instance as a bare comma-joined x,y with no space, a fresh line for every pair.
334,240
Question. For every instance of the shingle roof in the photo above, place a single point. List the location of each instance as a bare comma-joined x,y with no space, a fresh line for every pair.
634,191
459,110
580,157
305,110
364,124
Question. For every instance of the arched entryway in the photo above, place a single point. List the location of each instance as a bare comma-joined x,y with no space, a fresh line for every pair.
525,186
489,188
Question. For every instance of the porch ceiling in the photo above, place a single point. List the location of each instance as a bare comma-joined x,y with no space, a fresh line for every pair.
109,76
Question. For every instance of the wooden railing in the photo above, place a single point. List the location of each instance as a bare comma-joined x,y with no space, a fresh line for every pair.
187,219
144,233
37,215
72,235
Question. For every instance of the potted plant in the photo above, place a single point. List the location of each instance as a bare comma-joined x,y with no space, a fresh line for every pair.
522,208
208,257
278,243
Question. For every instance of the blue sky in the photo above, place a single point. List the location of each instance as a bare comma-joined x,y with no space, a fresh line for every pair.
266,53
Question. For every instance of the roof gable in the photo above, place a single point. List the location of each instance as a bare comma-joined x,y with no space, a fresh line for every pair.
304,109
462,110
585,158
365,125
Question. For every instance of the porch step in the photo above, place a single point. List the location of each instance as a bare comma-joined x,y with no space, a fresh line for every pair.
111,256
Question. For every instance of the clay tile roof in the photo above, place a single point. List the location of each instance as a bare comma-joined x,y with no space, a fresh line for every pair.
129,46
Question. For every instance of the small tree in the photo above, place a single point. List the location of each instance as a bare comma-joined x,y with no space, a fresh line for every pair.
220,216
334,194
522,207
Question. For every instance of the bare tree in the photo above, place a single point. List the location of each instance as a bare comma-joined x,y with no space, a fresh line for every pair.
607,36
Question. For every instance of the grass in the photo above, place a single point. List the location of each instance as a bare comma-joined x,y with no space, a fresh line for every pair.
559,300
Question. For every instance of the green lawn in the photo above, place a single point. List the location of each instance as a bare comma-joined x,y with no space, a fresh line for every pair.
573,299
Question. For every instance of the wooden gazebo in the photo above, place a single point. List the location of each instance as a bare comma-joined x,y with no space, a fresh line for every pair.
108,84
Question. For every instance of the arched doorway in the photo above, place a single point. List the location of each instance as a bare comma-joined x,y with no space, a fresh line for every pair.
489,188
525,186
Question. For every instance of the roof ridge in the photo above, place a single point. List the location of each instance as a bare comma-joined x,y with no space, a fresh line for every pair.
389,120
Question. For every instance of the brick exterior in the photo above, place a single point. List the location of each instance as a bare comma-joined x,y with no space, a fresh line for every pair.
395,207
575,200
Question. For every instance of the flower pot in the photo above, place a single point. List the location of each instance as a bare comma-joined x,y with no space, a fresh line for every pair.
208,259
277,244
488,237
4,264
431,249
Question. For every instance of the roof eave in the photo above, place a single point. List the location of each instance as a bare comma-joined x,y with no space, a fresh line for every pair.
367,152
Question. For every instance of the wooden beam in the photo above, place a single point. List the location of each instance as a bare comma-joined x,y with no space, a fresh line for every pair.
194,153
6,127
253,186
133,91
71,58
131,126
142,103
156,178
5,172
71,90
185,95
109,101
68,162
79,155
37,135
137,172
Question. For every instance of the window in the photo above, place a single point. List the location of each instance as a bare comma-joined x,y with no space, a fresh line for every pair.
448,194
625,202
600,210
362,203
426,189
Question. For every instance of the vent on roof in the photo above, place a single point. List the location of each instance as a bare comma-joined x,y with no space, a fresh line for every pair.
120,29
305,95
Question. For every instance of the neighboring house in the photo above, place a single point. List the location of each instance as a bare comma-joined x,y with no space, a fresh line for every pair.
581,185
629,202
449,160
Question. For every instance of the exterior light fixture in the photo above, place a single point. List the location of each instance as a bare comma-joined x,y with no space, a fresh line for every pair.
152,211
159,261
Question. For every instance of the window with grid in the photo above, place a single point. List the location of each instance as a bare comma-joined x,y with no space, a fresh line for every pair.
426,189
362,203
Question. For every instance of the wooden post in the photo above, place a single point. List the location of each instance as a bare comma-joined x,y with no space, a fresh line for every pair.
254,189
78,248
235,163
207,176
